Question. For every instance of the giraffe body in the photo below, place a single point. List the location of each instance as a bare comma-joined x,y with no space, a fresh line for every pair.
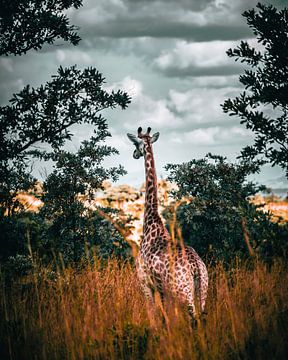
161,265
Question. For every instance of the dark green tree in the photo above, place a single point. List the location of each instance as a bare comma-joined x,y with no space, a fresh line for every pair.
41,118
263,107
29,24
218,219
38,119
73,223
45,115
26,25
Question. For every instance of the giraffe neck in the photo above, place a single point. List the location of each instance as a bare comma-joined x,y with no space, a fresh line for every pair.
151,198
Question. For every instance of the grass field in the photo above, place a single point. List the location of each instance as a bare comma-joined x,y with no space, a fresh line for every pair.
100,313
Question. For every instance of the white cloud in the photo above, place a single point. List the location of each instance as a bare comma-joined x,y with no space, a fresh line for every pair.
216,135
152,112
201,136
118,141
157,113
215,81
178,111
73,56
99,12
198,54
132,86
201,105
144,110
60,55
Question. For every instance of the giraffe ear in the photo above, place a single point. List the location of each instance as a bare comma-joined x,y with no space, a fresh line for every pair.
155,137
134,139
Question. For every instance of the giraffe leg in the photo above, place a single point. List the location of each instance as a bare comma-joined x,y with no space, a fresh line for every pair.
196,302
148,292
154,295
147,289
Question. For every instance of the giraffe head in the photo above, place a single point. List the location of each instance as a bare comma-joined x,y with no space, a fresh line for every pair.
140,141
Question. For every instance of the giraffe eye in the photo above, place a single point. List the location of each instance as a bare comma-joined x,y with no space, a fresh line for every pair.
136,154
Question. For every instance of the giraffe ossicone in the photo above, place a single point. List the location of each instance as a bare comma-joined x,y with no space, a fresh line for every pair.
161,265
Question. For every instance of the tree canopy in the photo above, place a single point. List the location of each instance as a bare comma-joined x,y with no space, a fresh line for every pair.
217,217
68,193
263,106
27,24
44,115
37,125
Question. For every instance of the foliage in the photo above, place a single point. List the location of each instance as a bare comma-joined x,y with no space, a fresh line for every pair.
44,115
100,312
106,240
218,219
18,266
18,234
15,175
26,24
68,192
36,125
264,107
76,236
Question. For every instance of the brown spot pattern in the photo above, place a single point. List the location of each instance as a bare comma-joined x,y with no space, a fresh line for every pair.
160,266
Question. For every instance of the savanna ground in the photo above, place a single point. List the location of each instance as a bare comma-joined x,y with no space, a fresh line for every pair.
100,313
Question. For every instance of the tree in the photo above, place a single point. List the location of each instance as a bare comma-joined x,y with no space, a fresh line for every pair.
218,219
45,115
27,24
69,192
39,119
264,107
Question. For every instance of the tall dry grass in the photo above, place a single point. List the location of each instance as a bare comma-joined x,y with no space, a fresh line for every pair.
100,313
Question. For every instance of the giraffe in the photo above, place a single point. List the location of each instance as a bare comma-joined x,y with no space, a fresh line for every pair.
162,265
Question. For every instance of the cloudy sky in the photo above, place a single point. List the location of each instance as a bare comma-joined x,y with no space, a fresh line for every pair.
169,55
